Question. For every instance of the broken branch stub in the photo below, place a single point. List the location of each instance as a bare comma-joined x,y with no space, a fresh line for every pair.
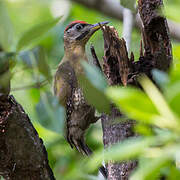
95,58
116,64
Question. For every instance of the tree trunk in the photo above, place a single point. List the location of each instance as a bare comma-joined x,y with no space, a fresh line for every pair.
122,70
22,153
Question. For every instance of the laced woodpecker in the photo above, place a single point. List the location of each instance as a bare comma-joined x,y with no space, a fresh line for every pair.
79,114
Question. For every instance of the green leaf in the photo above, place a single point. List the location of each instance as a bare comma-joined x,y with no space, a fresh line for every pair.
172,94
150,168
174,173
144,129
41,60
95,76
35,33
175,68
168,119
94,96
4,60
51,114
130,4
5,74
124,150
34,95
176,51
6,29
26,58
134,103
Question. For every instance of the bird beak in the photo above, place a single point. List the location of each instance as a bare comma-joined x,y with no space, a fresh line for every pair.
97,26
90,30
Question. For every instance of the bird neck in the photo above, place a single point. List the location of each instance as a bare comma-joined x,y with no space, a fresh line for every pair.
75,51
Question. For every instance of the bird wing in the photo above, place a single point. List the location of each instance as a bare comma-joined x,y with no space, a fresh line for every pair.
61,89
64,82
79,115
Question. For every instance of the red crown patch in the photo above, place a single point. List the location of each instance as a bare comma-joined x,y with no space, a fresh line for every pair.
73,23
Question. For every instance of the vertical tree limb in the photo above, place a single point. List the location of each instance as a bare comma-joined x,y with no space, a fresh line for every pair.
155,33
95,58
122,70
117,67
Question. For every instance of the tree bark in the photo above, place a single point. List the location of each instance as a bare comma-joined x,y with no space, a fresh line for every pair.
119,69
22,153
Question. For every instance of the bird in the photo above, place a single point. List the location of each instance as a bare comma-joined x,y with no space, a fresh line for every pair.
79,114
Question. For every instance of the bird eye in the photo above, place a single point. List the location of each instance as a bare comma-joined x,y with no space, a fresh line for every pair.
79,27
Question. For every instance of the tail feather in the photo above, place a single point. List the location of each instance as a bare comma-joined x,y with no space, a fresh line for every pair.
103,171
89,152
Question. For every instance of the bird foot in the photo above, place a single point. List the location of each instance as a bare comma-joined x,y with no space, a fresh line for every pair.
75,138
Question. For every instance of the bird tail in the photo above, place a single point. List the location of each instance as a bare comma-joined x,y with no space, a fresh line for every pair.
103,171
82,147
89,152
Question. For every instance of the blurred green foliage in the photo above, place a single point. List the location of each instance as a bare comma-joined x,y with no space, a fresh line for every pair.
172,9
157,113
130,4
35,29
158,122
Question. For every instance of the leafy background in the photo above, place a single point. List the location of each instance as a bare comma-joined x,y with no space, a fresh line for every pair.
33,30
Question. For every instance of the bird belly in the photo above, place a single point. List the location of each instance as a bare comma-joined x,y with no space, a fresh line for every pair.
79,117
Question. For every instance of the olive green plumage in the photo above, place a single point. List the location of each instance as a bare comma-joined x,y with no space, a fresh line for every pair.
79,114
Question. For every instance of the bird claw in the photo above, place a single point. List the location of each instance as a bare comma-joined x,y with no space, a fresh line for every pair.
79,144
85,148
69,140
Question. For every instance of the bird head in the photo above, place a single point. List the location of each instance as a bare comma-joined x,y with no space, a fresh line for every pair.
79,32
